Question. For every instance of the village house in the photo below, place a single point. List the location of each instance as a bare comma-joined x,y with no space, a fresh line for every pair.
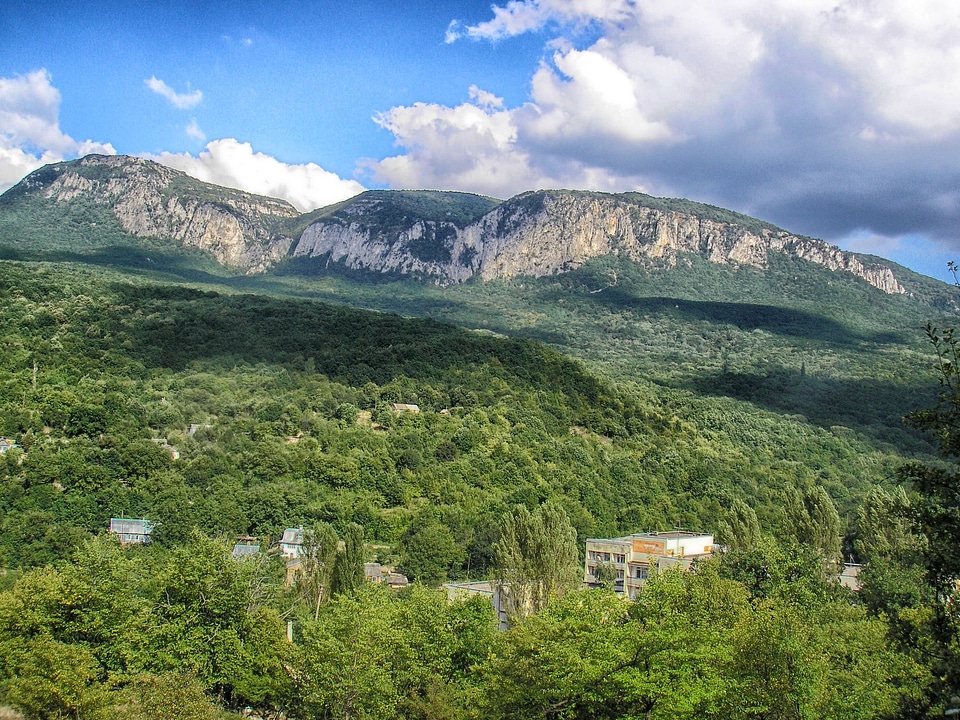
291,543
373,571
633,557
131,531
379,575
7,444
405,407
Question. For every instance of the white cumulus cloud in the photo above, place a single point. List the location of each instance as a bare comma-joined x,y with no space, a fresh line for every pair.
232,163
183,101
830,117
522,16
194,131
30,134
475,147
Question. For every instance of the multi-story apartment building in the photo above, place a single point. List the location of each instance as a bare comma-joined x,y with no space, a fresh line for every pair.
634,556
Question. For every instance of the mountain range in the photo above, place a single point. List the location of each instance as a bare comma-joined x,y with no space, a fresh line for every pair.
438,237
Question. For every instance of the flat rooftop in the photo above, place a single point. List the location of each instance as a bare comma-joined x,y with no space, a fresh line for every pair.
670,535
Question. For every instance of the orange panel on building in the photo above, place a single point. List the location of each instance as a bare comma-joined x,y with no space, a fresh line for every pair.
645,546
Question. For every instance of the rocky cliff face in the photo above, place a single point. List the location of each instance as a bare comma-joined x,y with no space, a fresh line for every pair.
545,233
443,237
151,200
370,234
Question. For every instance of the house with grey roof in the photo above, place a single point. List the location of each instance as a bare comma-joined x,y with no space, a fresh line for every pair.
291,543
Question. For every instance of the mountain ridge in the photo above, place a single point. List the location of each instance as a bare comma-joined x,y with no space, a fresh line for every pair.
435,236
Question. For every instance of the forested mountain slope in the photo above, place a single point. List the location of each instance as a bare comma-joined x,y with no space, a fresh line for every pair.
291,399
735,341
188,354
217,414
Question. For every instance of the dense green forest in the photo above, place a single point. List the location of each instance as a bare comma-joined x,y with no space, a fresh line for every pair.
229,407
290,401
181,633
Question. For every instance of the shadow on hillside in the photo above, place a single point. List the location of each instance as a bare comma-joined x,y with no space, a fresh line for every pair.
783,321
130,259
869,406
176,326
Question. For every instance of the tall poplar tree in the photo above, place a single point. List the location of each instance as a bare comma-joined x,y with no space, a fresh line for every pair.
536,557
315,578
739,529
813,519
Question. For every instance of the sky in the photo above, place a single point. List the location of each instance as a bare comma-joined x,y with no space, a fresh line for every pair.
837,119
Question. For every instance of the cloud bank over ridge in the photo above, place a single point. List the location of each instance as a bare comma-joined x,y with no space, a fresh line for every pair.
30,134
833,118
838,119
234,164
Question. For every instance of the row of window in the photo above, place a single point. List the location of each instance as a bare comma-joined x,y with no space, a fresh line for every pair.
641,572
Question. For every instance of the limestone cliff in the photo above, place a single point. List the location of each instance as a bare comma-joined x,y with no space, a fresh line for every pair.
240,230
442,237
548,232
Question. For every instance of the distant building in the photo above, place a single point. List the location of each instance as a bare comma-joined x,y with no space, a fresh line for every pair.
849,576
162,442
492,590
131,531
395,580
380,575
633,557
373,572
404,407
7,444
291,544
246,546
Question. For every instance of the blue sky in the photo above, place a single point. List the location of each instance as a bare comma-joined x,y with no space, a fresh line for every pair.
838,119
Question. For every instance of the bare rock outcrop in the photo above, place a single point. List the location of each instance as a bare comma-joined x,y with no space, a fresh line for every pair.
238,229
444,237
544,233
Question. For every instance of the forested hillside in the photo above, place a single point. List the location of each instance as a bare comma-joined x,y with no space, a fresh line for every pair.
217,414
292,404
764,404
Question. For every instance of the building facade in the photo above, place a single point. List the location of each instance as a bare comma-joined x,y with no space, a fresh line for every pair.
291,544
131,531
629,560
